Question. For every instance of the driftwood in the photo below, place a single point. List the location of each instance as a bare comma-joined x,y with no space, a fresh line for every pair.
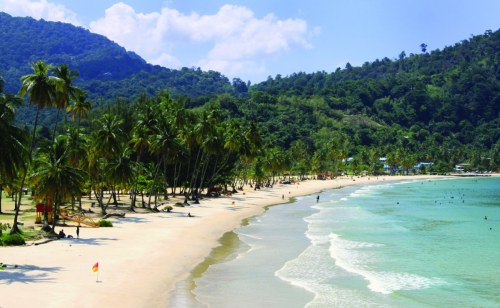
45,241
119,215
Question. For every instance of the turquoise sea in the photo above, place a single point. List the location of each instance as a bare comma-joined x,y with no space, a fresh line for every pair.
426,243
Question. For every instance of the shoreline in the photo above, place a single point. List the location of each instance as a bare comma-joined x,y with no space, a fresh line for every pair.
144,256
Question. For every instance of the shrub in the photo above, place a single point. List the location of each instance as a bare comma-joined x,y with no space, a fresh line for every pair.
104,223
13,240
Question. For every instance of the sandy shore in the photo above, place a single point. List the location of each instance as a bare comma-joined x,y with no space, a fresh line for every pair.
142,257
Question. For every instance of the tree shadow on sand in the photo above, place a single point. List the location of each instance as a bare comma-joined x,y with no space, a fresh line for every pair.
130,219
26,274
90,241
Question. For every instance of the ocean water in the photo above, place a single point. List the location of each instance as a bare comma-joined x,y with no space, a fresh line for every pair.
426,243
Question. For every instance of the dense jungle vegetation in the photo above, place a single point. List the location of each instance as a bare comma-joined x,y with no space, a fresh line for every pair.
89,116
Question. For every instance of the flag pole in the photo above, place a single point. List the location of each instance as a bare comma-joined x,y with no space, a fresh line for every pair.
95,268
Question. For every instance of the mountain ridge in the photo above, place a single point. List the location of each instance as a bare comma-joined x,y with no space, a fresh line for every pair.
24,40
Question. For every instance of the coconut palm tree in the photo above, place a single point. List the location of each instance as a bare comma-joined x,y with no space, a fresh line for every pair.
42,90
109,136
54,177
69,91
140,143
274,161
81,107
76,146
12,140
107,143
119,172
162,141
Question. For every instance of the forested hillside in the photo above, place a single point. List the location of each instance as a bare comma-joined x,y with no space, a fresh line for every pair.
107,71
440,106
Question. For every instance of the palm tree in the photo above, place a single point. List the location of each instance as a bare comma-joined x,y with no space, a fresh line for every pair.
107,143
80,107
140,144
69,91
54,177
76,146
119,172
42,90
162,140
12,140
109,136
274,160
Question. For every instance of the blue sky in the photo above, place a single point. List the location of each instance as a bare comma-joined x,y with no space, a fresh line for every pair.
256,39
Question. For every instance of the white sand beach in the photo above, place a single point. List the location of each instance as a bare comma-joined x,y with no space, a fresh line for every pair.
142,257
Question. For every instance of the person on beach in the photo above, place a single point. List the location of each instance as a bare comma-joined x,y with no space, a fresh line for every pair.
62,234
78,231
317,199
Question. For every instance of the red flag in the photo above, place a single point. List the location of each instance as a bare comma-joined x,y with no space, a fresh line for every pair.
95,268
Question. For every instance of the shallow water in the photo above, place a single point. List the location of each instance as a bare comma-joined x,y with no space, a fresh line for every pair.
411,244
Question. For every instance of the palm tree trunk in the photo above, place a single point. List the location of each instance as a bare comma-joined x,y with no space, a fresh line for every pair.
134,189
1,189
155,178
195,171
55,207
17,206
177,173
55,125
203,174
165,192
174,180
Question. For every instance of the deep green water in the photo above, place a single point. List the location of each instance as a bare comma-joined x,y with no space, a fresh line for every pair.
409,244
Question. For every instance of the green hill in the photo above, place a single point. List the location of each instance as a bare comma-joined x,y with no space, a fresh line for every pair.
441,106
445,103
107,70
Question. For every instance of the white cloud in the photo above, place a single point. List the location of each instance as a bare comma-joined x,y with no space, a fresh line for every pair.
38,10
236,39
232,41
167,60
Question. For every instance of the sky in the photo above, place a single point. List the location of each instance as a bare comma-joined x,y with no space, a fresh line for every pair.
253,40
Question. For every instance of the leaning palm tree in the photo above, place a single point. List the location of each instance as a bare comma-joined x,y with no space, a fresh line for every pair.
42,90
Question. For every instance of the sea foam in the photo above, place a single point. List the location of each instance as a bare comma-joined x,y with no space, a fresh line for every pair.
356,257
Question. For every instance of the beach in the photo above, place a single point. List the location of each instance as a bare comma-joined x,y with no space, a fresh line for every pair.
143,256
